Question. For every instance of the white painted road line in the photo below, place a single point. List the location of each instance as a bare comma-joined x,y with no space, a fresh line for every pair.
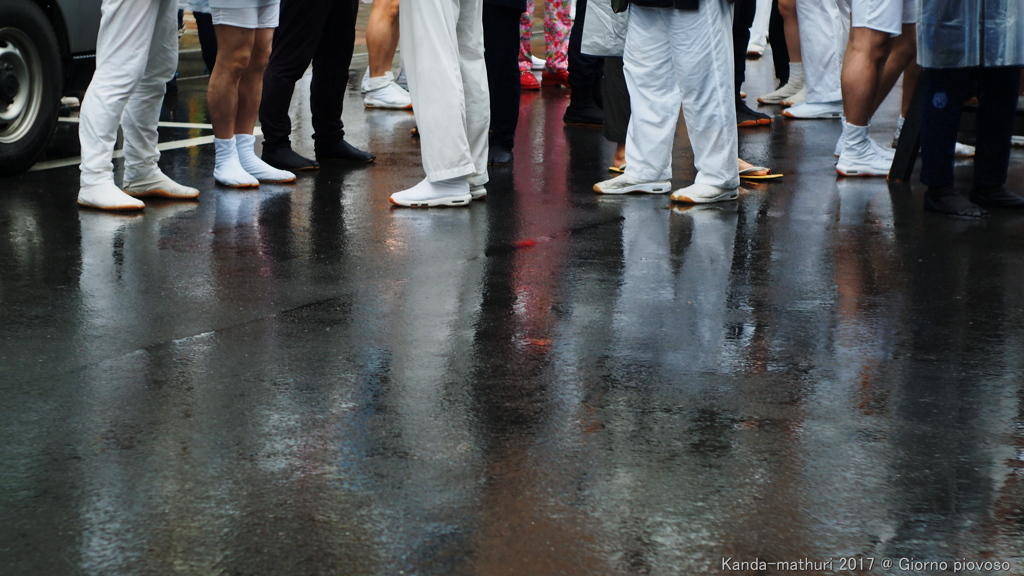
172,145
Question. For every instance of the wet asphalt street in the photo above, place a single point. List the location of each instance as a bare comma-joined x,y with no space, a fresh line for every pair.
303,380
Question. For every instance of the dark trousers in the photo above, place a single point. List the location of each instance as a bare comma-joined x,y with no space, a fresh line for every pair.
501,54
584,71
777,38
616,101
940,122
322,32
207,39
742,20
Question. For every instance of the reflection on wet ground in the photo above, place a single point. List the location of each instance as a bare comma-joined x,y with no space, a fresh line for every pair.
302,380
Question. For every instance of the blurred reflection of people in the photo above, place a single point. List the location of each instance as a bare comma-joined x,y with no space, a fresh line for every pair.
443,52
322,32
136,55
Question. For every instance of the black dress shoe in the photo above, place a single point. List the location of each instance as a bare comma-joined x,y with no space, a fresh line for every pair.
288,159
341,150
998,197
587,115
499,155
948,201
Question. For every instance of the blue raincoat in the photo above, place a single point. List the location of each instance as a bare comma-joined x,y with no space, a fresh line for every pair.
969,33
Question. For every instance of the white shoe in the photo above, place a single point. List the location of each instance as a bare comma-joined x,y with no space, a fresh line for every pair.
704,194
160,186
228,169
789,90
809,111
754,50
796,99
963,151
625,184
108,197
254,166
889,153
478,192
384,92
859,156
537,63
454,192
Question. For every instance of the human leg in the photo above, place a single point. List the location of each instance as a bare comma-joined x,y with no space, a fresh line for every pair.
702,61
526,38
557,25
501,53
432,50
940,121
122,55
330,79
823,34
789,70
617,108
142,112
142,175
381,42
295,42
250,89
654,92
997,108
382,36
584,77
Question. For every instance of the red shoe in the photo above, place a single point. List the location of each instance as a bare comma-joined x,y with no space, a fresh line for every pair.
527,81
559,78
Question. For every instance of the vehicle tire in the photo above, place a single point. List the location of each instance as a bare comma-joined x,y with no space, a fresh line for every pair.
30,84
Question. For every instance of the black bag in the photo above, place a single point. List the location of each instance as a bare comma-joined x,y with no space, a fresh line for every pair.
620,6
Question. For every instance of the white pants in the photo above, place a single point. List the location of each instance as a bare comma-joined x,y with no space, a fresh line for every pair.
759,29
675,57
443,53
136,55
250,18
824,30
883,15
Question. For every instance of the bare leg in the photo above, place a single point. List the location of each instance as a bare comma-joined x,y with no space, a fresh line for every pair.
382,36
788,10
862,72
620,154
234,47
250,87
902,58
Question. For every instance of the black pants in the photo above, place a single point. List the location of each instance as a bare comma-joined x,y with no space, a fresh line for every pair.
616,101
777,38
584,71
743,19
940,122
322,32
501,53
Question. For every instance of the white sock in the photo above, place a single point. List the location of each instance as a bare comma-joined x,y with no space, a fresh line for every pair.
228,171
796,73
244,144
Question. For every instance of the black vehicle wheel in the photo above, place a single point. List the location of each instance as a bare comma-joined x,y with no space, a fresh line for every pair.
30,84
